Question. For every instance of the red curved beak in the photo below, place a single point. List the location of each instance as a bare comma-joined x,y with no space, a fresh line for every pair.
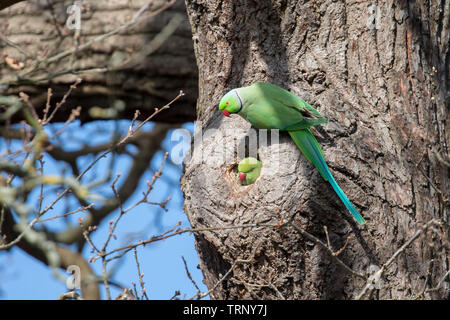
242,176
225,113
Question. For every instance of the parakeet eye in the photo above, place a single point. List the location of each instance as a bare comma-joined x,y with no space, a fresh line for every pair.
228,103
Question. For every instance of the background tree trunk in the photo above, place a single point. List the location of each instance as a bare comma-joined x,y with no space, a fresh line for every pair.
380,74
155,72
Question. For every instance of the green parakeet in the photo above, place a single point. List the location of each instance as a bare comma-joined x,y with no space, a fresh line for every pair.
267,106
249,170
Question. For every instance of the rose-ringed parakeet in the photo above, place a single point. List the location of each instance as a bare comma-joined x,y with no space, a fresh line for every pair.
249,170
267,106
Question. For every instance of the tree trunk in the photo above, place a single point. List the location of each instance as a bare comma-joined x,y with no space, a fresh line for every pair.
380,74
133,69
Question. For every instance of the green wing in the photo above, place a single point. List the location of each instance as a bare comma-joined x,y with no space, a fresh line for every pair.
305,114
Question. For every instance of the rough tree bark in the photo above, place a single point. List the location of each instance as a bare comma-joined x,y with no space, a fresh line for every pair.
154,75
379,71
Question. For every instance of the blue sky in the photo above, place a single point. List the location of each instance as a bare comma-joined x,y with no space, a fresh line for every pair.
23,277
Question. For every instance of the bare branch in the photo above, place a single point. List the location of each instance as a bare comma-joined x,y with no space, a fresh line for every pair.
140,275
324,246
373,279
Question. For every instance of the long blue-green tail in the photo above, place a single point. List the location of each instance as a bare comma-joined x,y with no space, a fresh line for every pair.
308,145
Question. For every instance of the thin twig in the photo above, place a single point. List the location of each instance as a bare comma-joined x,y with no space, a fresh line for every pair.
207,293
73,115
189,275
63,100
335,253
438,286
16,46
89,241
123,27
47,105
82,209
140,275
113,225
26,98
373,279
324,246
132,131
440,158
109,150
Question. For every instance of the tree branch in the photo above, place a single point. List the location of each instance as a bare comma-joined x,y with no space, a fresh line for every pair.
374,278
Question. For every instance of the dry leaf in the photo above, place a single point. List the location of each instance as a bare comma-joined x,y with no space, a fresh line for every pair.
14,64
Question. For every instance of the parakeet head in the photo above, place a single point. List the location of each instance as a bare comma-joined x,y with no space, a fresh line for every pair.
230,103
249,170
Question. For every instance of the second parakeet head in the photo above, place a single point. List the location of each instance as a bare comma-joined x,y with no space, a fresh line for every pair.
230,103
249,170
